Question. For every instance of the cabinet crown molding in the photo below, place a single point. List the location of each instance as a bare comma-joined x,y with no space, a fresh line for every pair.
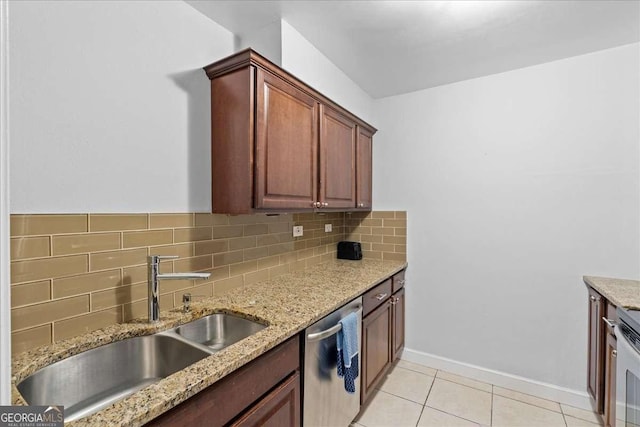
249,57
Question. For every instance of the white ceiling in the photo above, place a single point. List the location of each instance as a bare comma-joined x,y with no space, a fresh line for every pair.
393,47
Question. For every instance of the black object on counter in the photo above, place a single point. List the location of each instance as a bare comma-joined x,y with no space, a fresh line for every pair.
349,250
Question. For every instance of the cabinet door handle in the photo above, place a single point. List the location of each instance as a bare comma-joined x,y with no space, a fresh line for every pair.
361,205
593,298
610,323
380,297
325,204
614,353
401,282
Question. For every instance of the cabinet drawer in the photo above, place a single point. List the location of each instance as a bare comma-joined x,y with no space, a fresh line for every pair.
397,281
376,296
279,408
218,404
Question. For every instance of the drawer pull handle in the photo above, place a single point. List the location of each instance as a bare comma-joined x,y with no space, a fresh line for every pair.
380,297
401,282
610,323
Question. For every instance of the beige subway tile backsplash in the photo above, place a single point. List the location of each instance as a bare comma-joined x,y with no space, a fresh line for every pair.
39,314
182,250
30,225
135,239
228,258
223,232
197,263
211,247
30,293
85,243
242,243
105,260
46,268
30,247
191,234
254,229
171,220
225,285
117,222
72,274
30,338
118,296
84,283
69,328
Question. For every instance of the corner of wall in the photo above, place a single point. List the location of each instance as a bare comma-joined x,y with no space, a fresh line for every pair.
301,58
266,41
5,297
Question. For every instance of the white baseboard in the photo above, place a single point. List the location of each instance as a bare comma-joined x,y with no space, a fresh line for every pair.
576,398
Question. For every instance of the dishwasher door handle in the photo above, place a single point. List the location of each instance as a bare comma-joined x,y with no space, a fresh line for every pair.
317,336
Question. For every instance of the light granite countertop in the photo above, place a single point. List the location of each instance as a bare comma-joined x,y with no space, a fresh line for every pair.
621,292
288,304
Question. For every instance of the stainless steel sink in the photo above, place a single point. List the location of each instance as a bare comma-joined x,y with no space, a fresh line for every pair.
90,381
219,330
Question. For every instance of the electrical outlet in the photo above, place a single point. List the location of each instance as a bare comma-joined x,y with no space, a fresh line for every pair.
297,231
328,228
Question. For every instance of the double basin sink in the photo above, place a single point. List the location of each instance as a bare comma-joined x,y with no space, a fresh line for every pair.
90,381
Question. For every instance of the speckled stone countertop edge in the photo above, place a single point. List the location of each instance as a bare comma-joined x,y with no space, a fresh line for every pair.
287,304
623,293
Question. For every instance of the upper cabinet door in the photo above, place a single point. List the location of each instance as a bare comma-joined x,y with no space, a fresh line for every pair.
286,154
364,169
337,160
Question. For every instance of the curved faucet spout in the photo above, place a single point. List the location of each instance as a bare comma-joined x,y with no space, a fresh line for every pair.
154,278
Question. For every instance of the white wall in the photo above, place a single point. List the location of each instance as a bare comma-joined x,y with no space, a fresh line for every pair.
5,295
267,41
305,61
110,106
516,185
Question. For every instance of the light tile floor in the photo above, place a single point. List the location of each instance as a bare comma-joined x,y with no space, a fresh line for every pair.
415,395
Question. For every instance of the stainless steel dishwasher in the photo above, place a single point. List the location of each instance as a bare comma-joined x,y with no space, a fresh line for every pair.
326,402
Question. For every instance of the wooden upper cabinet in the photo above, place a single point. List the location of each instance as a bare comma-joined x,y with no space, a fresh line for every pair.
286,145
337,160
364,168
279,145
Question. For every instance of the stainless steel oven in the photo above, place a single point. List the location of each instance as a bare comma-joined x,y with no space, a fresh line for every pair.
628,369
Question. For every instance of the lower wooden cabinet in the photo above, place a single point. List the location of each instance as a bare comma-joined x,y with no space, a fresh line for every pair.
382,331
264,392
610,382
610,355
602,351
281,407
595,376
376,348
397,316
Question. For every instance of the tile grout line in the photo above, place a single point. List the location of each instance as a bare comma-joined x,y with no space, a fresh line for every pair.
491,413
424,405
468,386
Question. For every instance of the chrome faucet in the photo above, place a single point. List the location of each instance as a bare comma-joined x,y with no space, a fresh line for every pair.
155,276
